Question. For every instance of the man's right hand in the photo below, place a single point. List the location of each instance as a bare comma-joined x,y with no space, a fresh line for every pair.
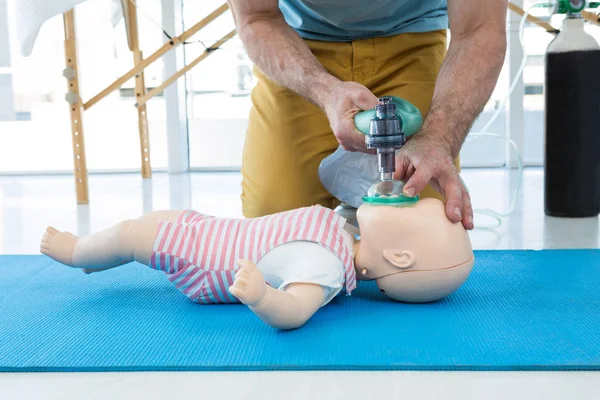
288,61
341,104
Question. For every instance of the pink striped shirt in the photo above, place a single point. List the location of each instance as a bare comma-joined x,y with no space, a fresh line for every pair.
199,252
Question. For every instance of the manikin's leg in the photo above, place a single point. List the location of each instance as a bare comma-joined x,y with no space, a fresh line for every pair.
280,309
166,215
57,244
122,243
161,215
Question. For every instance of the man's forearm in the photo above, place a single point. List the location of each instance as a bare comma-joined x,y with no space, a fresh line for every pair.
464,85
284,57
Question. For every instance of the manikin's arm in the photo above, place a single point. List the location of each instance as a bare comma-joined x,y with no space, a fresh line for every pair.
291,308
280,309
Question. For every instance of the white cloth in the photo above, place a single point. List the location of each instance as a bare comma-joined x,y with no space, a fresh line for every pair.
30,16
305,262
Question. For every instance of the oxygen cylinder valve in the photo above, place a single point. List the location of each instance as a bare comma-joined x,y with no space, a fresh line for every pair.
386,136
570,7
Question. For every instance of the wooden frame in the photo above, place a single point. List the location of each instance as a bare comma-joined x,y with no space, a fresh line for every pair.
77,106
549,28
156,55
72,74
142,101
140,86
591,17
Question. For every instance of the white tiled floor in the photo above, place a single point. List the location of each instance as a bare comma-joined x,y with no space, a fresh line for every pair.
29,204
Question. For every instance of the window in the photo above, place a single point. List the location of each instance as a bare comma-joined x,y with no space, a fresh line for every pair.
36,136
218,91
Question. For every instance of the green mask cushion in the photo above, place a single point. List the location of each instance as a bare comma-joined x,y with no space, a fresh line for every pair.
390,201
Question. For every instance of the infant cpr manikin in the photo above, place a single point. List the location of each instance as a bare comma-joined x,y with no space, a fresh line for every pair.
412,251
285,266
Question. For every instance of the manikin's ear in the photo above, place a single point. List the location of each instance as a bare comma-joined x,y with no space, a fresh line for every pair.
399,258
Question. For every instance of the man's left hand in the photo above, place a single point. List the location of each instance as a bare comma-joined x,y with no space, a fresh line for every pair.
425,159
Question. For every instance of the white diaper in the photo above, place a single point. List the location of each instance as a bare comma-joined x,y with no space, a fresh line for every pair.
304,262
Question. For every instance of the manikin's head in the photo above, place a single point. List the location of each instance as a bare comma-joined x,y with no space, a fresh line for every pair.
414,252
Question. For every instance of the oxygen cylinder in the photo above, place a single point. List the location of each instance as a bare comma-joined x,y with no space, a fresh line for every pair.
572,121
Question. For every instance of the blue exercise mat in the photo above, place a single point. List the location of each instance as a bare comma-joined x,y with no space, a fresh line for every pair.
519,310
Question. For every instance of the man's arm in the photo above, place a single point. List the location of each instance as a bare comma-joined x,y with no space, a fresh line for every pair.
278,50
470,71
464,84
284,57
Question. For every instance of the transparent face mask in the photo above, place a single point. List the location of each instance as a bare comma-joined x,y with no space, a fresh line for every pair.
348,175
388,192
353,178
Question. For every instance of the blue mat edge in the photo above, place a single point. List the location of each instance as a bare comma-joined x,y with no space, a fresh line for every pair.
383,368
299,368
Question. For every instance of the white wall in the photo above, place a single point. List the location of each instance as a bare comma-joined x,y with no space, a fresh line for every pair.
7,108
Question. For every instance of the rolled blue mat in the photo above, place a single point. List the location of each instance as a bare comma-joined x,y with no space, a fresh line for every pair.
519,310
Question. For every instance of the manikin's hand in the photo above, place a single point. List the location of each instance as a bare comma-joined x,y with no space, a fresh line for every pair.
343,102
426,160
249,285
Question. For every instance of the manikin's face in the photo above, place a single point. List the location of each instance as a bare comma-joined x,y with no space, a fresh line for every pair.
414,252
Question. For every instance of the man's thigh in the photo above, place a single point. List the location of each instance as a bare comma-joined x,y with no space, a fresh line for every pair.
286,140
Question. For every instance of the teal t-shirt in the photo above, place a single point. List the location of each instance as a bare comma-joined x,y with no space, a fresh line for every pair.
346,20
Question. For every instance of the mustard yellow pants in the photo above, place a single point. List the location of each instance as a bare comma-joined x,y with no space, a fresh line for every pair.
288,137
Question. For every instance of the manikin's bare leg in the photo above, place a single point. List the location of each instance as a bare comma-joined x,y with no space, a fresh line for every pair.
59,245
158,216
122,243
287,309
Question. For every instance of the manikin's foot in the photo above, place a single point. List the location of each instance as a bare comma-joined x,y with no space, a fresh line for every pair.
59,245
249,285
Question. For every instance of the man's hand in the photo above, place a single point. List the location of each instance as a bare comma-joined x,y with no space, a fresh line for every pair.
285,58
464,84
343,102
426,160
